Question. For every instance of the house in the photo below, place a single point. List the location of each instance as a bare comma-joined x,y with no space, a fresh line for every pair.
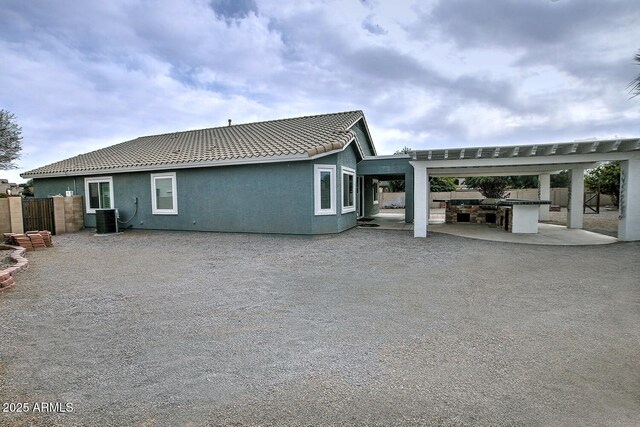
9,188
294,176
309,175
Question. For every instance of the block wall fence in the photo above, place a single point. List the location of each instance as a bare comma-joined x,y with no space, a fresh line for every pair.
67,213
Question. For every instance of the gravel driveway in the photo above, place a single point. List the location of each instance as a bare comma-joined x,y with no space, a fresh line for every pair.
369,327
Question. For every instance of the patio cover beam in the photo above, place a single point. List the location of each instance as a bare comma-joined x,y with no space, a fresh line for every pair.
539,160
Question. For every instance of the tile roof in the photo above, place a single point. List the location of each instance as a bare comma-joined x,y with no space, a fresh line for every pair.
258,142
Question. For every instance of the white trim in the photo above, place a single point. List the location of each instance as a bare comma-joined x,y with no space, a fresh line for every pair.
366,128
174,193
576,198
349,172
420,201
387,156
366,131
462,172
544,193
87,199
629,219
604,146
317,169
170,166
569,159
375,184
328,153
358,144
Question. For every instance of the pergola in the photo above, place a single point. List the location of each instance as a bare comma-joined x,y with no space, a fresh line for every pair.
541,160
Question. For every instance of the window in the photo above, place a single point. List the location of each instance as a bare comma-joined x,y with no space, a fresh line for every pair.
164,196
348,190
376,193
324,177
98,193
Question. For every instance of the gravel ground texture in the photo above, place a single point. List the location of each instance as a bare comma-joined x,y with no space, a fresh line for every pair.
5,261
369,327
606,222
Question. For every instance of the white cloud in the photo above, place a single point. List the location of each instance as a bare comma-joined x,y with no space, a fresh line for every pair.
391,140
83,75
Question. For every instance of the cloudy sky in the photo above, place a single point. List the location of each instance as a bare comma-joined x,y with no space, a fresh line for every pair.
81,75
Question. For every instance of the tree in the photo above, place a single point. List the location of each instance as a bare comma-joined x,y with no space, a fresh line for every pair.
403,150
491,187
27,188
525,181
397,185
606,179
435,184
635,83
494,187
10,140
439,185
560,180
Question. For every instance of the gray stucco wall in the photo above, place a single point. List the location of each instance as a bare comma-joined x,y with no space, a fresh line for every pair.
365,143
259,198
392,166
369,207
323,224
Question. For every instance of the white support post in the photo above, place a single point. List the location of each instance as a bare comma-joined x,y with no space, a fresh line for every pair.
629,223
427,197
544,193
420,199
576,199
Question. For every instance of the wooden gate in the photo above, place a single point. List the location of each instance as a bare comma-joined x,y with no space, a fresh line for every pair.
37,214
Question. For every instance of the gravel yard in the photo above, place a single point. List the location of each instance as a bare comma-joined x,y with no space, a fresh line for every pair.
369,327
4,259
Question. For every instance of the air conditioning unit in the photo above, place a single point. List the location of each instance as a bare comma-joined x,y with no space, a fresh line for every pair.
106,221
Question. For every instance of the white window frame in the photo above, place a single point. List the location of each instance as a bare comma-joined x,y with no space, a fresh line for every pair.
376,191
317,170
348,172
174,193
98,180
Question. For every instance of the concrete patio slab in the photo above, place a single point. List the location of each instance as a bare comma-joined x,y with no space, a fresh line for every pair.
387,221
549,234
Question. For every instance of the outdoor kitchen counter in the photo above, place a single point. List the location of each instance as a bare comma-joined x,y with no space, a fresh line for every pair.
516,202
498,202
514,215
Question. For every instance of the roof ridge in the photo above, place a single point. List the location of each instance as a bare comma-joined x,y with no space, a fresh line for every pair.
247,124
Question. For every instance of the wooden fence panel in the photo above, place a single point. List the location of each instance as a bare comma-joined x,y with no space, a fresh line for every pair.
37,214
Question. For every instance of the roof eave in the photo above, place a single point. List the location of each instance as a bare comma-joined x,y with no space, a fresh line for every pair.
170,166
366,128
335,151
